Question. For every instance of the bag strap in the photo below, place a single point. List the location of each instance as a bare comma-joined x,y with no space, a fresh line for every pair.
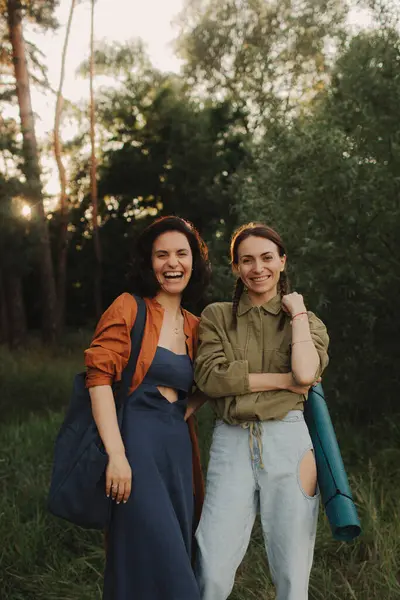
136,344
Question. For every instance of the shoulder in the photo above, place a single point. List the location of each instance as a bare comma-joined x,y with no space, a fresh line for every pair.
122,309
318,330
217,310
315,322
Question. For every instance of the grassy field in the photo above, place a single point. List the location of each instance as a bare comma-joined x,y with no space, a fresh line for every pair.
42,558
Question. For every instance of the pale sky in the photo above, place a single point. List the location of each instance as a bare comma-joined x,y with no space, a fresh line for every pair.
115,20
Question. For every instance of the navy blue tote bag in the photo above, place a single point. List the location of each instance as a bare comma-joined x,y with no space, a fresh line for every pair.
77,488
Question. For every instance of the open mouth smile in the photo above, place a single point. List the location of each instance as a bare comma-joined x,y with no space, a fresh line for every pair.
173,275
260,279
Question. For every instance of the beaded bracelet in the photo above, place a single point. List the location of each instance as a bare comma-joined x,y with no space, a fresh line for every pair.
298,314
300,342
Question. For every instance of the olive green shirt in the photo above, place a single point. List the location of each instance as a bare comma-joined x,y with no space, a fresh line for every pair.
261,343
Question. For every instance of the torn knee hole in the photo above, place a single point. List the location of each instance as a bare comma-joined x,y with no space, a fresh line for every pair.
308,473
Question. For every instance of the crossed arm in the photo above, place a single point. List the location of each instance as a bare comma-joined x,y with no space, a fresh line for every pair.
217,376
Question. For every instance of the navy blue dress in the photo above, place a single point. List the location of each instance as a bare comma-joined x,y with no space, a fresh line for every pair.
150,539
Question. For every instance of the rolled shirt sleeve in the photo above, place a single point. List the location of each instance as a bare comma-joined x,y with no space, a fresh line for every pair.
320,337
108,354
217,373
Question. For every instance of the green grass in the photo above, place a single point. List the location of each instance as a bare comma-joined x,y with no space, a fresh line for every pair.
43,558
37,378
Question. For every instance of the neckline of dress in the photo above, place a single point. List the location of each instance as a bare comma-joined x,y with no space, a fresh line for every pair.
172,352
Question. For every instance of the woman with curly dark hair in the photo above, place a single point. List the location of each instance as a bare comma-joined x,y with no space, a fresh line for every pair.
154,461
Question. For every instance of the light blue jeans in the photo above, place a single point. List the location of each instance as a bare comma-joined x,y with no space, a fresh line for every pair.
239,485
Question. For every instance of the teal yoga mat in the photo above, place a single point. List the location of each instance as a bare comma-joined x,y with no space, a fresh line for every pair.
332,479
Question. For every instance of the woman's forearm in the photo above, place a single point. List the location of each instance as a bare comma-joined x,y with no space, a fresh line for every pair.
265,382
105,417
195,402
305,359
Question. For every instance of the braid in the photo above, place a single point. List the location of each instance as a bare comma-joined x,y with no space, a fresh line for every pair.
238,291
284,284
283,289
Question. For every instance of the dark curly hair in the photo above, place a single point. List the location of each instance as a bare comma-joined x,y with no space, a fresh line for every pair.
141,276
241,234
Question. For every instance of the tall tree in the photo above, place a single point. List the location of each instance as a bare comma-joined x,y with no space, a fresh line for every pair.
160,147
63,239
269,57
93,175
13,247
31,168
4,325
161,152
13,258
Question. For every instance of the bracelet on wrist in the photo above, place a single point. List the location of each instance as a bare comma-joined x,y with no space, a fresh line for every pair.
304,312
301,342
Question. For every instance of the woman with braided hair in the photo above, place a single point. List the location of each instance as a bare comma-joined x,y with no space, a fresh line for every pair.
257,358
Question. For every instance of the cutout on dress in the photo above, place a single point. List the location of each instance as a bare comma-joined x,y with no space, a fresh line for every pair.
168,393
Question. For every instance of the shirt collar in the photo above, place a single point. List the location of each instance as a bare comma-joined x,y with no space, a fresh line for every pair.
273,306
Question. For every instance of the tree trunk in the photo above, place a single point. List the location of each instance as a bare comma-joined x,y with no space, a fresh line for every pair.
63,239
4,321
15,308
93,181
32,169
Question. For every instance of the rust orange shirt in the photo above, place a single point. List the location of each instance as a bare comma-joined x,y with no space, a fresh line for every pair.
109,351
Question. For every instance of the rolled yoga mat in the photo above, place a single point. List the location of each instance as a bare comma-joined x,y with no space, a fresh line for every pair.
332,479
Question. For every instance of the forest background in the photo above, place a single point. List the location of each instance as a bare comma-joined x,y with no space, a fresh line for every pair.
281,112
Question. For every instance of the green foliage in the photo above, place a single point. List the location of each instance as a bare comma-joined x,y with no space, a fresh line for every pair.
37,11
329,183
120,61
14,232
179,159
263,56
162,153
365,96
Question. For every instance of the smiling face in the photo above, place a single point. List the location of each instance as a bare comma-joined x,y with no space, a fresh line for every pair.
172,261
259,267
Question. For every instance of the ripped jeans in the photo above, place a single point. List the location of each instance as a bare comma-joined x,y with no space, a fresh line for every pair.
241,482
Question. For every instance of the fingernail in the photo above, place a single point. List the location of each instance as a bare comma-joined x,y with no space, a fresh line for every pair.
125,501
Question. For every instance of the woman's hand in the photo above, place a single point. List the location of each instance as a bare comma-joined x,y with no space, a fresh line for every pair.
118,471
118,477
293,304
